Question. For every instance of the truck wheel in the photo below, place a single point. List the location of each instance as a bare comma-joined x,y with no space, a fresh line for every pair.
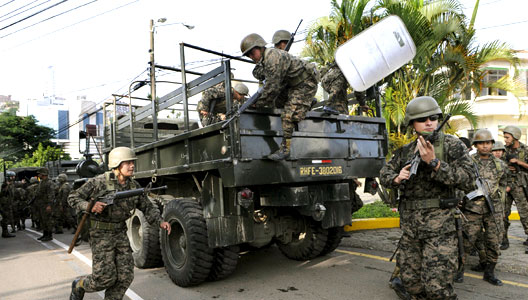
144,241
186,253
224,263
306,245
335,235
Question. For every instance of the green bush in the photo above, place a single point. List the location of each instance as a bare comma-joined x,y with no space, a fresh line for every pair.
376,209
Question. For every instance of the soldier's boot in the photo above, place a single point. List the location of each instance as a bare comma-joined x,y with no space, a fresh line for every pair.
77,292
283,152
13,228
489,275
397,285
459,277
505,243
47,236
5,233
481,267
42,236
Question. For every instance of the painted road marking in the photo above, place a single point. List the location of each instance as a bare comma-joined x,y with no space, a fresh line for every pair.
386,259
130,293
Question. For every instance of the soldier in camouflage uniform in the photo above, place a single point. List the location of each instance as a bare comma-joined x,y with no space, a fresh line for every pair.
478,213
498,149
30,192
216,96
282,71
44,198
62,209
516,157
112,261
7,194
20,195
335,84
280,39
428,246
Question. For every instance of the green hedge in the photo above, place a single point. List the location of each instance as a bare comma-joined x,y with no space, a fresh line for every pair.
376,209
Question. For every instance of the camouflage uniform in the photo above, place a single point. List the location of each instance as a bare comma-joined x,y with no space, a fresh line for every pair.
493,171
7,195
35,216
217,93
285,73
44,197
20,215
112,262
428,247
516,193
62,212
334,82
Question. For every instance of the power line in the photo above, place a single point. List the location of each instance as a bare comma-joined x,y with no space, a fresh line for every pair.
47,19
71,25
30,16
502,25
23,10
7,3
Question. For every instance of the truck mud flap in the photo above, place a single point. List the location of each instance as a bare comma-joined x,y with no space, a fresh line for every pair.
229,230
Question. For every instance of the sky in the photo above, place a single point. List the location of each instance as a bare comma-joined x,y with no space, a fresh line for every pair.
96,48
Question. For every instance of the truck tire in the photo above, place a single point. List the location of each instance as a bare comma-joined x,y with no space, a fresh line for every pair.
306,245
335,235
224,263
144,241
186,253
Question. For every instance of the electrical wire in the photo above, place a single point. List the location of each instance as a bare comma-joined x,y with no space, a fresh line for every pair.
32,15
22,11
7,3
47,19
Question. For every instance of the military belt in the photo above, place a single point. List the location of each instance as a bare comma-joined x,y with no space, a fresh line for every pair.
106,225
421,204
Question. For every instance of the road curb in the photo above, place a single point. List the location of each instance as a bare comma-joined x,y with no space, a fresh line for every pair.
380,223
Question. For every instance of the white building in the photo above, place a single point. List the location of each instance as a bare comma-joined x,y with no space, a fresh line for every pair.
496,108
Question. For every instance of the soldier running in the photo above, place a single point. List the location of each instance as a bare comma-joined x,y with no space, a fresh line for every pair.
478,212
112,261
282,71
516,157
428,246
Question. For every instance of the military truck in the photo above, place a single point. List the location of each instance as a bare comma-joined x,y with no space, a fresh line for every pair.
224,194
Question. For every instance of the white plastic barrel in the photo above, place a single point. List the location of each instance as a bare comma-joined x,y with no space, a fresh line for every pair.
375,53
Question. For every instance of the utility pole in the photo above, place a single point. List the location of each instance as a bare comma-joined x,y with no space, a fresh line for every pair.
153,84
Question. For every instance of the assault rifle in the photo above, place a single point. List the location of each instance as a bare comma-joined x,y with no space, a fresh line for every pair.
209,119
481,191
243,107
415,161
109,199
292,37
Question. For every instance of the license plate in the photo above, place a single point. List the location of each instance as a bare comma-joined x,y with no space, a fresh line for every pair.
320,170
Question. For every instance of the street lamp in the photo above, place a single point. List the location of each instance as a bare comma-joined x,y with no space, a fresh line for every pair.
153,72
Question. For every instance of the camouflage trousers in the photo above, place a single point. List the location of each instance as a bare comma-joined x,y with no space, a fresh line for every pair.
492,235
298,104
516,194
112,264
7,215
338,100
428,265
61,215
46,220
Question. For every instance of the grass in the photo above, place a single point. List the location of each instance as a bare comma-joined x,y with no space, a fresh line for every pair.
376,209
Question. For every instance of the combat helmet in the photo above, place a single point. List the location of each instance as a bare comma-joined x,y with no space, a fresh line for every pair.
498,146
251,41
420,107
242,89
483,135
280,35
33,180
62,177
10,174
514,131
43,171
119,155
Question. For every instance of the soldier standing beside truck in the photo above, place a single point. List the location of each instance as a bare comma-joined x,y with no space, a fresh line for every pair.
44,197
281,70
428,246
62,209
112,261
516,157
7,194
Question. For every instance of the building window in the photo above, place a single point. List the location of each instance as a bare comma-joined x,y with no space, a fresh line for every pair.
99,123
492,76
86,121
64,124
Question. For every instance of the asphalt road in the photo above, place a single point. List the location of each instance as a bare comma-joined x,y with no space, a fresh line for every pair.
30,269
